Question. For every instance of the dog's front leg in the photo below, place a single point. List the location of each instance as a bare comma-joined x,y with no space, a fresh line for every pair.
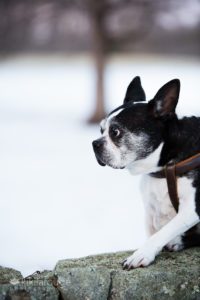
184,220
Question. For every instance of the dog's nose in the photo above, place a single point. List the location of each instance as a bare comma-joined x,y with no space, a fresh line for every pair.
97,144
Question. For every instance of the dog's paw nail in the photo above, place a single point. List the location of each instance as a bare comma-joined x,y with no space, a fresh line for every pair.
125,266
123,262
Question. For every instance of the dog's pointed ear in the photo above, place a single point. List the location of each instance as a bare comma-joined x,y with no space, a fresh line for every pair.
135,92
165,101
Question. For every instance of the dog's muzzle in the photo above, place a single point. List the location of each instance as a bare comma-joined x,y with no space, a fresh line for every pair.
98,149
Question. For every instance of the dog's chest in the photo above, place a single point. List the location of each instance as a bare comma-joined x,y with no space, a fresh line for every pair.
157,203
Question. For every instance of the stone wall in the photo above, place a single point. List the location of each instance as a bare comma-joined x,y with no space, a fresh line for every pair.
172,276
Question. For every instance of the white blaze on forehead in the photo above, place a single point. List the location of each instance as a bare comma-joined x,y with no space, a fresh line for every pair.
115,113
104,124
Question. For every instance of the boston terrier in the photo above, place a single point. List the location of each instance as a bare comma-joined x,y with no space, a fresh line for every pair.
143,137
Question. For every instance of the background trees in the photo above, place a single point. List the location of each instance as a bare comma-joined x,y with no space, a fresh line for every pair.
101,28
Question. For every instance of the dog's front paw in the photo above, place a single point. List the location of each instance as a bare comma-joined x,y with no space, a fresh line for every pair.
140,258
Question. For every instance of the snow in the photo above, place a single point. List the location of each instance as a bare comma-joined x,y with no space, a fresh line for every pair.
56,202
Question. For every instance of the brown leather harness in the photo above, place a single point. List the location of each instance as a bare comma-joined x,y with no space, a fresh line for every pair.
171,171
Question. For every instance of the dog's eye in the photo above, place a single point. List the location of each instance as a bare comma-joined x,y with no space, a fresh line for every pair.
114,131
101,130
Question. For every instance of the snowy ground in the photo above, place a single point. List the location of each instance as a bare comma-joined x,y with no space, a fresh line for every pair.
55,201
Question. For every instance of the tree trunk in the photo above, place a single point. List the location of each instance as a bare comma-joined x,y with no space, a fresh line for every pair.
99,53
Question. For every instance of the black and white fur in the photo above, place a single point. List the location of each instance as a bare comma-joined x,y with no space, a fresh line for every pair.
143,137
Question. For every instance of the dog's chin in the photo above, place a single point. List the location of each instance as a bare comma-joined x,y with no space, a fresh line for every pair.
116,167
113,166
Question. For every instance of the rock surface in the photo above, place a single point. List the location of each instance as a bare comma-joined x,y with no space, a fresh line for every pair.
172,276
35,287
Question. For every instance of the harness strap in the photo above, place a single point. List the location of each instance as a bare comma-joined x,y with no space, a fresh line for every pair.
171,171
170,174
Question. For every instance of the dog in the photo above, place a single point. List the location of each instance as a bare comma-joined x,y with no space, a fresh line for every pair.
143,137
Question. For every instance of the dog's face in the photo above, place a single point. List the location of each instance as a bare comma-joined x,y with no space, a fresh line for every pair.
134,130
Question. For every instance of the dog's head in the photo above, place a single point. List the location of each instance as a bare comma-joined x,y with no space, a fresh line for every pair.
135,129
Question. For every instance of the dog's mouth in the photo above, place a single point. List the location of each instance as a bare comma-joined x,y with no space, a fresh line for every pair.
104,161
100,162
103,164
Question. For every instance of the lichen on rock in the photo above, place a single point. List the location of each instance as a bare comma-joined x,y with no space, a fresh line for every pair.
174,276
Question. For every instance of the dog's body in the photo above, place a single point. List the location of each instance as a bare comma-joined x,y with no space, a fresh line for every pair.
144,137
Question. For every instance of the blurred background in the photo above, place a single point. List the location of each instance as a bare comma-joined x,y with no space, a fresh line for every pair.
63,65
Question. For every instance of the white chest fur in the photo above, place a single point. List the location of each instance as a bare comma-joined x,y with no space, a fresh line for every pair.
158,207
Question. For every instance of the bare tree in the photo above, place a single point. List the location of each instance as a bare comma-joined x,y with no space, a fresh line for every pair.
97,11
136,17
